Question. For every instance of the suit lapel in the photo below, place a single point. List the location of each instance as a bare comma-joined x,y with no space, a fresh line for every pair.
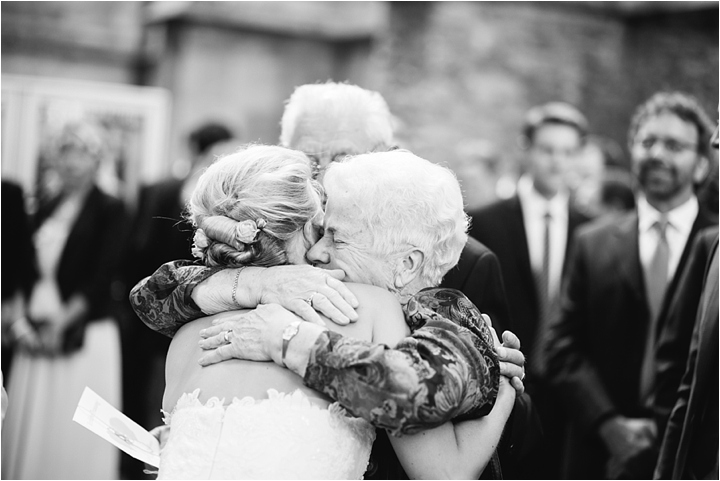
518,236
630,269
704,219
575,219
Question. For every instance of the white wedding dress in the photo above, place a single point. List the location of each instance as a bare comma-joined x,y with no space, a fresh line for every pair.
283,437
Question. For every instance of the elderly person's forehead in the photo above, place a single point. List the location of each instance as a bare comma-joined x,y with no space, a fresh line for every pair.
323,127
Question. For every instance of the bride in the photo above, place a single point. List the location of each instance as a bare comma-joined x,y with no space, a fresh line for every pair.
243,419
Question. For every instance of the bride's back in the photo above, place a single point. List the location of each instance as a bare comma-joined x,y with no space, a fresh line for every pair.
380,319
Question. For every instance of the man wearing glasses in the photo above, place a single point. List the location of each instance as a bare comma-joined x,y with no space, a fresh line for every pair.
600,351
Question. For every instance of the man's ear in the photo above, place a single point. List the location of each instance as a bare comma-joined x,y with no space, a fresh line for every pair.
702,169
408,268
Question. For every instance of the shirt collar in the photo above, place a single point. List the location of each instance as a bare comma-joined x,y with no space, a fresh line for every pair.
681,217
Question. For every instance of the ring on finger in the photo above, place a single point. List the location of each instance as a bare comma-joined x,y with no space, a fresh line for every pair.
227,337
309,300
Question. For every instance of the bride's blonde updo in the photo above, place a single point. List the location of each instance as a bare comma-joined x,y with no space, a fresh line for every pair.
247,205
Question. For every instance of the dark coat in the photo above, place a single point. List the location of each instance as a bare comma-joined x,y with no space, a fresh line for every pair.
677,321
500,226
90,259
478,276
690,446
595,350
19,269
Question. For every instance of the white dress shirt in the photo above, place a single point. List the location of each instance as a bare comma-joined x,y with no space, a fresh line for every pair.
534,208
680,222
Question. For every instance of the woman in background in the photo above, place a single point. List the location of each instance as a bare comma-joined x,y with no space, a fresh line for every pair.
68,340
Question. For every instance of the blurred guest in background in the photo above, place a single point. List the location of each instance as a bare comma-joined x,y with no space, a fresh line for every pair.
479,167
584,177
599,181
74,341
617,194
530,234
601,346
159,234
19,271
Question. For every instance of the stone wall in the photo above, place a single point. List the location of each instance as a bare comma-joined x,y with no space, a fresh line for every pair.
97,41
459,76
456,71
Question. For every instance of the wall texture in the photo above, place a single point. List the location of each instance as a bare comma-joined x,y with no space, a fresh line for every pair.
455,71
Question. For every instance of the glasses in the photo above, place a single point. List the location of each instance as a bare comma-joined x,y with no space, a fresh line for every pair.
670,145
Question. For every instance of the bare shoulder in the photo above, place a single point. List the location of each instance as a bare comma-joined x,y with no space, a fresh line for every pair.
382,310
372,294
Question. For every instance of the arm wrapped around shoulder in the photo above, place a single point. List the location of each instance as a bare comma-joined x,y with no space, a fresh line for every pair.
162,301
446,370
456,322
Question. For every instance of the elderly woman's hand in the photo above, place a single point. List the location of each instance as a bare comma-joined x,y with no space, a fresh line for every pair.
254,336
512,361
307,291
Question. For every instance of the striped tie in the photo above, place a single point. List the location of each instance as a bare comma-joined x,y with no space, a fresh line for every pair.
656,280
543,291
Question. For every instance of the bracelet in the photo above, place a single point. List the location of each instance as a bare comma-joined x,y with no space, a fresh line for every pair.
235,284
290,331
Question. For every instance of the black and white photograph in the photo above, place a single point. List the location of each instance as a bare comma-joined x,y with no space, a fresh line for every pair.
359,240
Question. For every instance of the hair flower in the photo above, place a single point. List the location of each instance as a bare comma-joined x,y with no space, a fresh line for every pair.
246,231
200,243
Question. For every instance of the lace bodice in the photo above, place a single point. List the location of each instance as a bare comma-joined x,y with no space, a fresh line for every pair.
283,437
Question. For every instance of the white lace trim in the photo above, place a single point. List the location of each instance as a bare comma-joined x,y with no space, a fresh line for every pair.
296,399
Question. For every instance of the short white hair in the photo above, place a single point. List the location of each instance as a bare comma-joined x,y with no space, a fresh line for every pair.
405,200
340,102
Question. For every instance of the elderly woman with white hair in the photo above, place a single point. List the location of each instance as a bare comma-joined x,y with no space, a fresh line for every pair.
243,419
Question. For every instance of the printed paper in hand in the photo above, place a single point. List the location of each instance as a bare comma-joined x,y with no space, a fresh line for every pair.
103,419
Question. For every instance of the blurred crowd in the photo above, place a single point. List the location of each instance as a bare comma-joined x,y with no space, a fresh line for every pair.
605,280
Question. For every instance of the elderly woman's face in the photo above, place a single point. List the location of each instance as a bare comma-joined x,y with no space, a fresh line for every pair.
297,247
345,244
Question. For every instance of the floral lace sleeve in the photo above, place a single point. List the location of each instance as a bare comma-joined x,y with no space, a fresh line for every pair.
447,369
162,301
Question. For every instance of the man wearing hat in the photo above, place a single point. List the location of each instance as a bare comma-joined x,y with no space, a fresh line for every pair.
530,233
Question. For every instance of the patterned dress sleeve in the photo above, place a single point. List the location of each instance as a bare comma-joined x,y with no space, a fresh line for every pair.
163,300
447,369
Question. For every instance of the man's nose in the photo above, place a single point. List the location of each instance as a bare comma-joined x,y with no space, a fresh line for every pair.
317,254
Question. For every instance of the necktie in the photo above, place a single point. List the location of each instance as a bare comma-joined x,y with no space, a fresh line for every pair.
656,279
543,291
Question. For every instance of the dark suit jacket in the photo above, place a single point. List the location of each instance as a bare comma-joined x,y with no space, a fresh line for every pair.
19,270
674,340
478,276
690,446
595,349
500,226
90,258
159,232
159,235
